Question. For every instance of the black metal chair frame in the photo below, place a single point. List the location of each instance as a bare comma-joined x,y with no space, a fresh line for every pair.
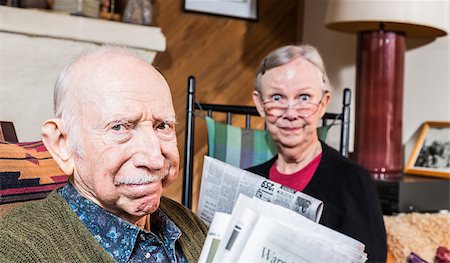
192,105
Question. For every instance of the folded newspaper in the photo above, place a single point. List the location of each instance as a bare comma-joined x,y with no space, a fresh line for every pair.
259,231
222,183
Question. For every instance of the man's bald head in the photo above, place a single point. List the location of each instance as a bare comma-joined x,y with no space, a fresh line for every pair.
80,77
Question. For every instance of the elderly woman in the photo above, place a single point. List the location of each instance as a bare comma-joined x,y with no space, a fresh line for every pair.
292,94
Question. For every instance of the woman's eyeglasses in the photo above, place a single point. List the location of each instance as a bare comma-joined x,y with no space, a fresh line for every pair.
304,109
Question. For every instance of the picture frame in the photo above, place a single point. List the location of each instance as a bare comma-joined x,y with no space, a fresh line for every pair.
243,9
431,153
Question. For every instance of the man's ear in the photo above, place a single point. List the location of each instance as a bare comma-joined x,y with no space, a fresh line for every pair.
258,103
54,138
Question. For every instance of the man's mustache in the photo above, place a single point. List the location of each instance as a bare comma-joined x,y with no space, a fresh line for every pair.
144,178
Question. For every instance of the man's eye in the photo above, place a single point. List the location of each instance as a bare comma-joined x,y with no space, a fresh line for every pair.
276,97
118,127
164,126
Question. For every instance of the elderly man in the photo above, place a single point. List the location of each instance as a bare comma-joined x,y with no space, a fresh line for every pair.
114,136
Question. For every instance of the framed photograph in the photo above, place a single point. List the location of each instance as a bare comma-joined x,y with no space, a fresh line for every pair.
246,9
431,153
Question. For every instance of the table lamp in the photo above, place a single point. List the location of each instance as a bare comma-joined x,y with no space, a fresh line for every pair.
381,27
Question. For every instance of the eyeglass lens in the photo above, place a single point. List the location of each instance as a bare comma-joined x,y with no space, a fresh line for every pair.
277,109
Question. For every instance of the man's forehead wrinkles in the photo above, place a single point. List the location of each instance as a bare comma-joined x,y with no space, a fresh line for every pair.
171,117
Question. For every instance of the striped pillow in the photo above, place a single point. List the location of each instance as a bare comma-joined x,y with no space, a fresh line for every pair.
27,172
244,147
238,146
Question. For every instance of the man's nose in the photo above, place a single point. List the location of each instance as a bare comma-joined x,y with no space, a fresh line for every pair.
149,153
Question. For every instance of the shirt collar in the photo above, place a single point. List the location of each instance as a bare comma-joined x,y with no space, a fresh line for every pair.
117,236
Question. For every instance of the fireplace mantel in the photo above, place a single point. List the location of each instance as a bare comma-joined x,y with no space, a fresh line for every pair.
37,23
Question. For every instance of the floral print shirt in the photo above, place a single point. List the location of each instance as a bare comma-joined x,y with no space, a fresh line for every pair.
126,242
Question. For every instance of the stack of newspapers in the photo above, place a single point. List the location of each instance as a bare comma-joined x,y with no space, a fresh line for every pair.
266,222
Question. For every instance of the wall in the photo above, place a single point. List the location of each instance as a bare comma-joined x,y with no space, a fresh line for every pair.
36,45
222,53
426,76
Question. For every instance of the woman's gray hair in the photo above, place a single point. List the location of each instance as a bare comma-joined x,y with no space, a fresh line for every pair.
65,104
286,54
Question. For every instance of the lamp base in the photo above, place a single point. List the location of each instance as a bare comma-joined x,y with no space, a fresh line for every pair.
386,175
379,102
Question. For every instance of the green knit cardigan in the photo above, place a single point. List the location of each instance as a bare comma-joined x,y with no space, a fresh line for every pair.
49,231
